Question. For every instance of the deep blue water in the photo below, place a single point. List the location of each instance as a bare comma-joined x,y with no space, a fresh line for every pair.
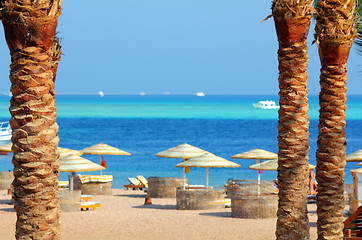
146,134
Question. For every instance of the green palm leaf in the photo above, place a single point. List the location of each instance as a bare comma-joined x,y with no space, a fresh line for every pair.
358,24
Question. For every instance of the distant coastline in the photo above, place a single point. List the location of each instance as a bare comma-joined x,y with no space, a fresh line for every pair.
175,106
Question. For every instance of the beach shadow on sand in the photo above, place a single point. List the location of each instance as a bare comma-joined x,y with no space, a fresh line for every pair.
131,195
9,203
6,201
217,214
312,224
157,206
9,209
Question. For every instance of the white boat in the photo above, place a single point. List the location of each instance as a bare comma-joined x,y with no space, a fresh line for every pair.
101,94
5,133
268,104
200,94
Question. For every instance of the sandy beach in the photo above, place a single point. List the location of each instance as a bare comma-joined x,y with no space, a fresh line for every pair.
123,215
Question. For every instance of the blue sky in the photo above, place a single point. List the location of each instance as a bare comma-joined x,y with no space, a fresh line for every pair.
128,47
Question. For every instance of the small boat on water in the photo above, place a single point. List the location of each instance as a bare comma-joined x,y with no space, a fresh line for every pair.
101,94
268,104
200,94
5,133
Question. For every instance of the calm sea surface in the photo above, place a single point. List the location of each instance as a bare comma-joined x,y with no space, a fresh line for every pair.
146,125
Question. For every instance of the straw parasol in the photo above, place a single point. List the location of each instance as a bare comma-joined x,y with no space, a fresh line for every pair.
257,154
66,151
207,160
354,157
184,151
73,164
271,165
6,148
62,151
103,149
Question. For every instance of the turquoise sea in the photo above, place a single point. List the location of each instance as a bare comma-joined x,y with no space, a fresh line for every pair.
145,125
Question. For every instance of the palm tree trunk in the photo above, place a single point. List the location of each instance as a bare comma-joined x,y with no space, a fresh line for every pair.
29,30
292,22
335,33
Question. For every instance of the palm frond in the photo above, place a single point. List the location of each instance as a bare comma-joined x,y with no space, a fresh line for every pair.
315,4
357,22
358,25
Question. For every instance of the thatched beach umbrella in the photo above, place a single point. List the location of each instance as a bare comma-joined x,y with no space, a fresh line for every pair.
207,160
354,157
257,154
184,151
73,164
271,165
103,149
62,151
66,151
6,148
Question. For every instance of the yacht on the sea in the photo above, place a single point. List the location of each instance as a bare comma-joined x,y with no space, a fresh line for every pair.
101,94
200,94
268,104
5,133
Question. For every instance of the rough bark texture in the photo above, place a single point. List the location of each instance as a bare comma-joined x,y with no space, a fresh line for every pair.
30,30
292,21
334,34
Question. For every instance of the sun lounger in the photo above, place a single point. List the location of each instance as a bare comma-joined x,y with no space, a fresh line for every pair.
88,205
352,225
63,184
85,198
134,184
227,202
94,184
195,186
143,180
95,178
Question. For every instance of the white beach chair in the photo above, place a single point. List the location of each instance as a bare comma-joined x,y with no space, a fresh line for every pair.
134,184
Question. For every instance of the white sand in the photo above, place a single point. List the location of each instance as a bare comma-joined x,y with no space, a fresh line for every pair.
124,216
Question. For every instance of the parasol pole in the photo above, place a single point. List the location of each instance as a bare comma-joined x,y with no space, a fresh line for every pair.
207,177
100,163
71,181
258,161
184,175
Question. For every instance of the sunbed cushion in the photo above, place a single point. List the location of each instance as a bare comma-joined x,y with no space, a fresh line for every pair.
134,181
143,180
95,178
